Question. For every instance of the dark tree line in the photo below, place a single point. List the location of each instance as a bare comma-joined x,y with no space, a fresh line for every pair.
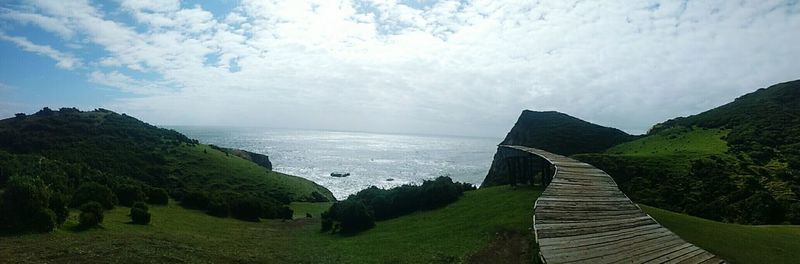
360,211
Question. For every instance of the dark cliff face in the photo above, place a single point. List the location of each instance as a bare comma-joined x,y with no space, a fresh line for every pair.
260,159
557,133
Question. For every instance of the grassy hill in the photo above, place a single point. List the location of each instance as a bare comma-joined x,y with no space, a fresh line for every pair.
72,157
120,146
180,235
735,163
734,243
676,141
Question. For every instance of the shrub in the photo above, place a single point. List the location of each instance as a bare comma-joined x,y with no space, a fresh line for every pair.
195,200
140,214
23,205
43,221
157,196
129,194
58,204
218,206
246,208
380,204
354,216
91,214
93,192
287,213
141,205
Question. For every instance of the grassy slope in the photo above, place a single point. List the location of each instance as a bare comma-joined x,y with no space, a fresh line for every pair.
676,141
204,166
735,243
181,235
454,231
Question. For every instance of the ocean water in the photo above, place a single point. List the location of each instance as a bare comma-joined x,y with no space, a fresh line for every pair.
370,158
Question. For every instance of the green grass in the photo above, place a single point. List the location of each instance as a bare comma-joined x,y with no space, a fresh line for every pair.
204,167
676,141
734,243
315,209
180,235
453,232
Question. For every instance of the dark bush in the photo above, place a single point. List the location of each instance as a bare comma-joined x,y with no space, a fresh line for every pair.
246,208
287,213
354,216
23,205
127,194
93,192
195,200
383,204
91,214
157,196
141,205
218,206
140,216
58,204
43,221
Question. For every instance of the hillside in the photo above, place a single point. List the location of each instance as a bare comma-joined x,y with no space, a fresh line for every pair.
69,148
445,235
736,163
732,242
557,133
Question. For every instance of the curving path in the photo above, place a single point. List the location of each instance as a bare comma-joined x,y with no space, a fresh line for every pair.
583,217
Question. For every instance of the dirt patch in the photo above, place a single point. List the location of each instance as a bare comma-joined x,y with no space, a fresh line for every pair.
506,247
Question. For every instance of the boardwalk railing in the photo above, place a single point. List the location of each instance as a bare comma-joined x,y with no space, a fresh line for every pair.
583,217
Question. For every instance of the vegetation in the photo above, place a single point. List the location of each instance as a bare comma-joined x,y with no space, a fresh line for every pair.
140,214
114,159
359,211
92,214
734,243
180,235
25,206
735,163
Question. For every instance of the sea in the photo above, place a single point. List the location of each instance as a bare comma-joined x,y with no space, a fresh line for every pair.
371,159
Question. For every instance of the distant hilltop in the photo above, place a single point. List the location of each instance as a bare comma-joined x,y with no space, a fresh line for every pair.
557,133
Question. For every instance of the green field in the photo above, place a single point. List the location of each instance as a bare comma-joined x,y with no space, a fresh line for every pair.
676,141
734,243
476,226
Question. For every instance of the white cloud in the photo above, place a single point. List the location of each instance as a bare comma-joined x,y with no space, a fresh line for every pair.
127,84
457,67
63,60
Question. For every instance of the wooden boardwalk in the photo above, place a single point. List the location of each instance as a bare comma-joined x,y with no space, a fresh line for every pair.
583,217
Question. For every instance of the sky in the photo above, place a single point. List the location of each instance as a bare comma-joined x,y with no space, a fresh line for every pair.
425,66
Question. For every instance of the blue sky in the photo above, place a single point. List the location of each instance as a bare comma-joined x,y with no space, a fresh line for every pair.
437,67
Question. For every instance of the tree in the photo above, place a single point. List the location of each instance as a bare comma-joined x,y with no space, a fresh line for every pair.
91,214
93,192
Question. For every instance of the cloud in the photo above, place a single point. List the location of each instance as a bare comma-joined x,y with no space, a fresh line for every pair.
64,60
127,84
453,67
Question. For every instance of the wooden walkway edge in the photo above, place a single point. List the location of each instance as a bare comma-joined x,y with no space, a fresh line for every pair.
583,217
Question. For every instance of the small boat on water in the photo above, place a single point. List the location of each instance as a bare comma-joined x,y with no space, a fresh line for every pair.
340,174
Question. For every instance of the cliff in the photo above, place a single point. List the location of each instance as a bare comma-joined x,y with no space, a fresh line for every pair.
557,133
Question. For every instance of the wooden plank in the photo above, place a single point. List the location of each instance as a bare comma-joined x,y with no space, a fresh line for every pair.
606,249
641,230
583,217
691,250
